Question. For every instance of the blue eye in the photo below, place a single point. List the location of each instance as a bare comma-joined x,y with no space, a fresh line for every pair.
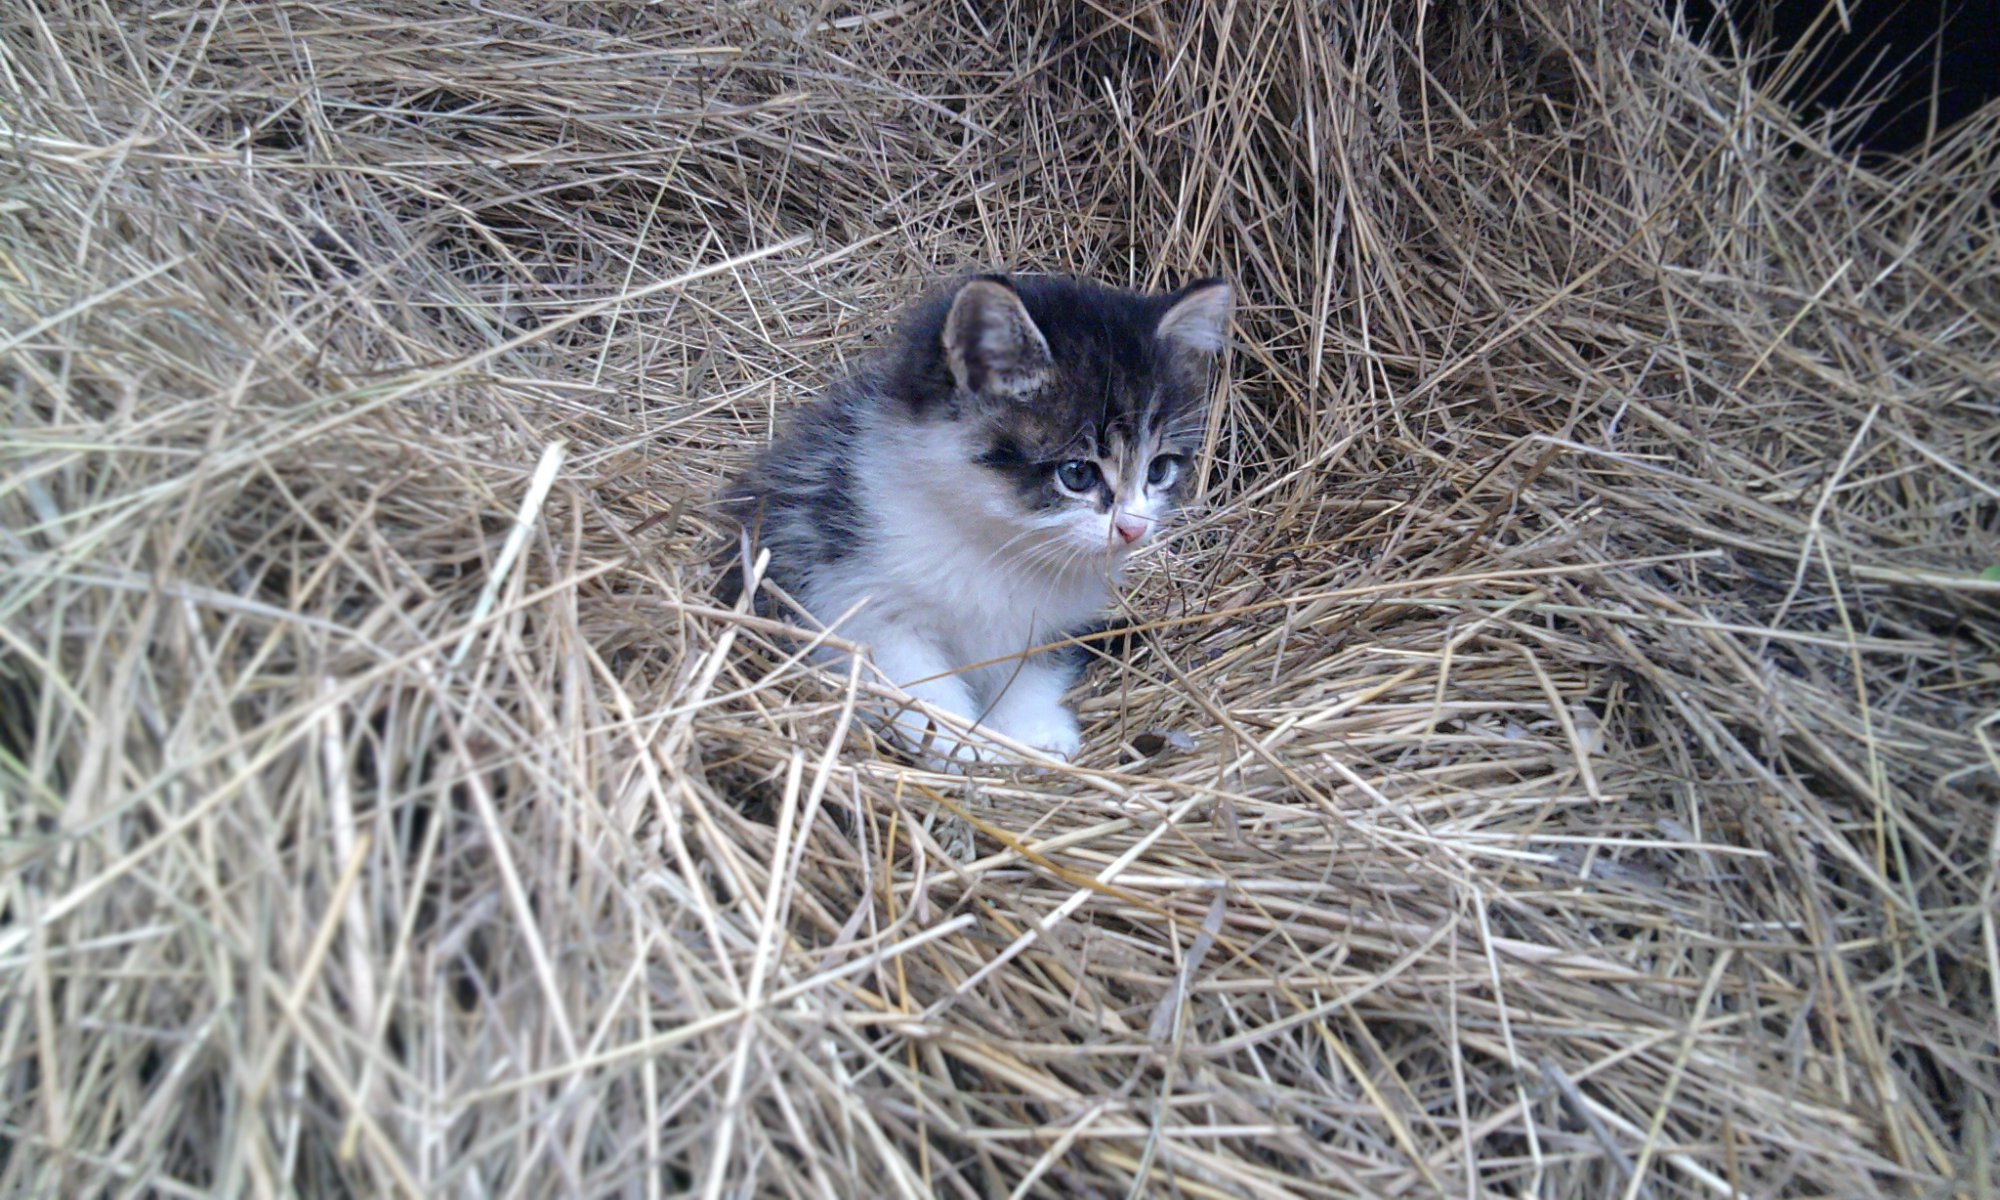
1077,475
1164,470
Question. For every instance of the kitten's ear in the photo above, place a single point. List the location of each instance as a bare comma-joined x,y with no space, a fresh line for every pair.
1199,318
992,344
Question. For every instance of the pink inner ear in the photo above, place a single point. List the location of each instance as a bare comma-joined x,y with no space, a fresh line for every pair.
992,343
1200,320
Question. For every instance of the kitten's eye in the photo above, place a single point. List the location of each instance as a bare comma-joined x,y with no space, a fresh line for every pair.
1164,470
1077,475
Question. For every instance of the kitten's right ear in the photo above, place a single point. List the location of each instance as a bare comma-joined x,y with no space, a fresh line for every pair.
992,344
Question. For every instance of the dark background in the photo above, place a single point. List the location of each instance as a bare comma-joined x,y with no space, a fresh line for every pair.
1901,50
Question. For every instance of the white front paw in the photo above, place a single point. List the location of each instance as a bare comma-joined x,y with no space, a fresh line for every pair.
1053,731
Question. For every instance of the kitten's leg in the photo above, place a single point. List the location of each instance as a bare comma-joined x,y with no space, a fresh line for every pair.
921,669
1031,710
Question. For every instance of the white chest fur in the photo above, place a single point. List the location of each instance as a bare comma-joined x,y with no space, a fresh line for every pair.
946,559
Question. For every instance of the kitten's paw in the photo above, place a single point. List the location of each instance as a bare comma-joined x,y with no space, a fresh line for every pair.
1053,731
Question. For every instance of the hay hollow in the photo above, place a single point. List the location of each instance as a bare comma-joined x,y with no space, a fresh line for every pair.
1559,758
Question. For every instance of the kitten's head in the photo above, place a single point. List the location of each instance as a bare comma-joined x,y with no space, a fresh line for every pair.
1085,405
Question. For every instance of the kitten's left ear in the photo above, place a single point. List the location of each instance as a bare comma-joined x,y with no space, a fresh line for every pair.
991,342
1199,317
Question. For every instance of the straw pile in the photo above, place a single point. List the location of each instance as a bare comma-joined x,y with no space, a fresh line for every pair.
1558,759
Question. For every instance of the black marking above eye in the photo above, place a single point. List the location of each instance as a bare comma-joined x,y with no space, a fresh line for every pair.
1164,469
1076,475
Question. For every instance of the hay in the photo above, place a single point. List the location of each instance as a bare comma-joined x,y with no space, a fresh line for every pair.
1560,759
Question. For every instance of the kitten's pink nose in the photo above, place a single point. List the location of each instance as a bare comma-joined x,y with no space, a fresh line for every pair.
1129,529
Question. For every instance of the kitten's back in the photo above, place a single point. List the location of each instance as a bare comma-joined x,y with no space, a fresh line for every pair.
798,498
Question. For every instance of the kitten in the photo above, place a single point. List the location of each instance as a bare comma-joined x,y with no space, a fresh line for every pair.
980,484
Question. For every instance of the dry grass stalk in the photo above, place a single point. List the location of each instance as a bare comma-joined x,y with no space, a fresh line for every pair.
1590,687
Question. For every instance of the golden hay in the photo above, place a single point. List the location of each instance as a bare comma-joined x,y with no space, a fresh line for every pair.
1558,760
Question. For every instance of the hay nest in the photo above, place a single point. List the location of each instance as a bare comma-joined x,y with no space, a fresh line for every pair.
1559,759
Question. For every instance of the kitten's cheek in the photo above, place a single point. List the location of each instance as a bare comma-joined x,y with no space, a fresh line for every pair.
1090,536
